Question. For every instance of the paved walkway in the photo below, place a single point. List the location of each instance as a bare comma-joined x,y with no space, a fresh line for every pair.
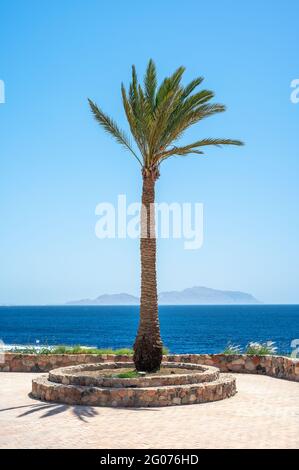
264,414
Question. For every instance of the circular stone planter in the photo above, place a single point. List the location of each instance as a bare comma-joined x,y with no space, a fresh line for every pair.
94,375
97,385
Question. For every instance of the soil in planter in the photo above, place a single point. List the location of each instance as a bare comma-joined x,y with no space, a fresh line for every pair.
127,373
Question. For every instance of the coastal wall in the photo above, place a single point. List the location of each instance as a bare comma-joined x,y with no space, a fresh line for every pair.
16,362
274,366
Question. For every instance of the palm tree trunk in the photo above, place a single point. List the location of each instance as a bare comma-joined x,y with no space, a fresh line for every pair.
148,345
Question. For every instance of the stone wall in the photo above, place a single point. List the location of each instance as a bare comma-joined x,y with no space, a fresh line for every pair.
14,362
82,375
274,366
223,387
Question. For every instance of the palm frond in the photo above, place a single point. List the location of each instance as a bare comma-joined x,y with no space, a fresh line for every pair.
111,127
187,113
217,142
161,119
133,92
191,86
169,85
134,123
150,84
193,148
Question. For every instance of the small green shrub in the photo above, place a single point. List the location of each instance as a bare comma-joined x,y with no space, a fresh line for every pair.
131,374
261,349
69,350
77,349
232,349
25,350
86,350
252,349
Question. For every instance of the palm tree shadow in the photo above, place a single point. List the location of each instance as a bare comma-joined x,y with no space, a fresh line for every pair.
81,412
84,412
49,409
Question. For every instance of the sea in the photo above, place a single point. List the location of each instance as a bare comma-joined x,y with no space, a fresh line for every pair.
184,329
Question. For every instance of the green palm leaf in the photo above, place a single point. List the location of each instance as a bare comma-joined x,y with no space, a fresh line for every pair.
192,148
192,85
150,84
111,127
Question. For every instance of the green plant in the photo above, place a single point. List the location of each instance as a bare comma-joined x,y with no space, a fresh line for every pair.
25,350
158,116
232,349
70,350
88,350
131,374
77,349
261,349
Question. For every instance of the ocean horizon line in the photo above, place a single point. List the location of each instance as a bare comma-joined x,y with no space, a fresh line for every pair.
260,304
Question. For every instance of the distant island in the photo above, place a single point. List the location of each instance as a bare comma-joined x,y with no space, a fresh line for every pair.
190,296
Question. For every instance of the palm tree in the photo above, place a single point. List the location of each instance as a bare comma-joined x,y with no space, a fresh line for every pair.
158,117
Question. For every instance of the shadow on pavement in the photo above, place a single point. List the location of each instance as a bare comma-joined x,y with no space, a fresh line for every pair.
81,412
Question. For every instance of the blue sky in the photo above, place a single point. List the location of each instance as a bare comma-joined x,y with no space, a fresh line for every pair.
57,164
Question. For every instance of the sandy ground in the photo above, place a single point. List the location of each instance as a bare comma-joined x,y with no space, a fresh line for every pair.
264,414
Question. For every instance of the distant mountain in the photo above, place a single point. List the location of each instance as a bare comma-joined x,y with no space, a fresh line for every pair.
205,295
190,296
108,299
